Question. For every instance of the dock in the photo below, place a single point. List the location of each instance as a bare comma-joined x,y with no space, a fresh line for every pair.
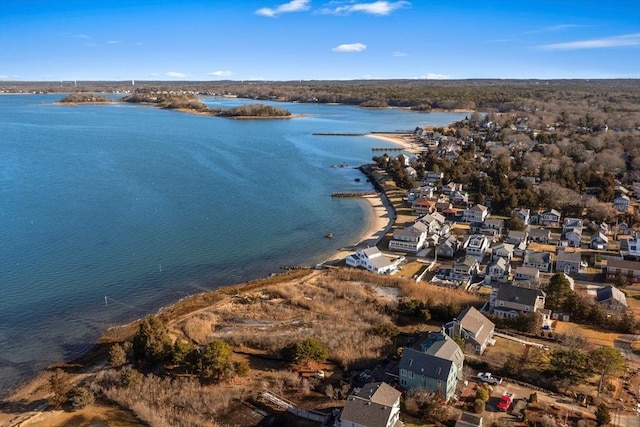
354,194
338,134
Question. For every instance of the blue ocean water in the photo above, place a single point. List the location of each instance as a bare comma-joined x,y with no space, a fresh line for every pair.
146,206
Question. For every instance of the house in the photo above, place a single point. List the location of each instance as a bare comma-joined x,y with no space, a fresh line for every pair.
621,203
432,176
459,197
424,192
497,270
451,188
539,260
599,241
508,301
476,246
473,327
527,273
568,262
468,419
437,366
374,405
549,218
628,269
523,214
539,235
502,250
409,239
423,206
464,269
410,172
516,237
570,224
447,247
477,213
631,247
434,221
611,299
572,237
373,260
494,224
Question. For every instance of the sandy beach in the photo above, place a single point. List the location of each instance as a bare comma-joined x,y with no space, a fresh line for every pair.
382,215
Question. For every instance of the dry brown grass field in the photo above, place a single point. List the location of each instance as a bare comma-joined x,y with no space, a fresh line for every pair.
338,306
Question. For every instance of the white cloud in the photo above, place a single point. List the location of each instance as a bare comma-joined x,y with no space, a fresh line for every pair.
434,76
80,36
375,8
292,6
90,44
176,74
553,28
615,41
113,42
398,54
3,77
221,73
352,47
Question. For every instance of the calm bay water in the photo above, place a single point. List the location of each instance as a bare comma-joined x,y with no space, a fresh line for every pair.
146,206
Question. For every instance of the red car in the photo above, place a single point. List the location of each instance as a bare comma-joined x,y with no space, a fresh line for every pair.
505,402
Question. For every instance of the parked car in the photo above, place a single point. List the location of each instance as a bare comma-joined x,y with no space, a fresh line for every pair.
488,378
505,402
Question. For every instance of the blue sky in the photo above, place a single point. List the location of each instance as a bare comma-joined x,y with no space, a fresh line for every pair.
317,39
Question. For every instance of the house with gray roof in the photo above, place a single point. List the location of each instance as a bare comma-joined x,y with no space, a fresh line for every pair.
611,299
568,262
550,217
476,246
527,273
409,239
374,405
437,366
539,235
599,241
477,213
509,301
447,247
539,260
373,260
497,270
473,327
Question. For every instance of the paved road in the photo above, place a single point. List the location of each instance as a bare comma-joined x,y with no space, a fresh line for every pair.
623,343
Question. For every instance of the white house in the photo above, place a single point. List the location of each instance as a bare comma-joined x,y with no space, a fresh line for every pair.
373,260
502,250
476,246
477,213
527,273
568,262
497,270
524,214
550,218
409,239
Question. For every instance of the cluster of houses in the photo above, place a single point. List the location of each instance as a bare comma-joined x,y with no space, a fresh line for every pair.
433,363
484,253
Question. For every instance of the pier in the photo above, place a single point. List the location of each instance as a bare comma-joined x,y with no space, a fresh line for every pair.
338,134
354,194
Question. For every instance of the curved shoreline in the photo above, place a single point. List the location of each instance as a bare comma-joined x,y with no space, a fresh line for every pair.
380,217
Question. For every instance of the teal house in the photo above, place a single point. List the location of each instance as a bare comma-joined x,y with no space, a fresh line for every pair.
434,364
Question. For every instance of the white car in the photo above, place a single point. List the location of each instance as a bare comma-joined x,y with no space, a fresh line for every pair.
488,378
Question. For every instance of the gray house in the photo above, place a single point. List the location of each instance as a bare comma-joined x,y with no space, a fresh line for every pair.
373,405
473,327
611,298
436,367
509,301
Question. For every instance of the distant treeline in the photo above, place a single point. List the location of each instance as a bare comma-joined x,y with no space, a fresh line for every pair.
422,95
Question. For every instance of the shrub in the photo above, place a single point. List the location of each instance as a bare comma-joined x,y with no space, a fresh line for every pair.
81,397
479,406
